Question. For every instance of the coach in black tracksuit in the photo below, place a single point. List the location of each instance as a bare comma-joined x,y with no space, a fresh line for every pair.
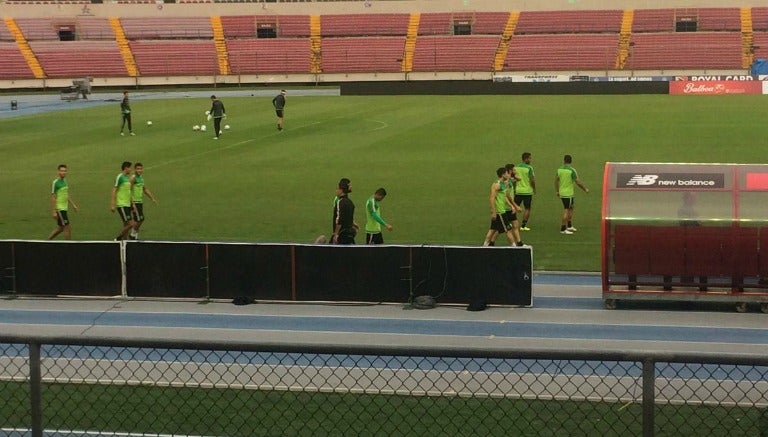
345,230
217,112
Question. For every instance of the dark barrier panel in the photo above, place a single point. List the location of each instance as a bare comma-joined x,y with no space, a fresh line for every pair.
476,87
251,270
352,273
166,269
6,267
82,268
494,275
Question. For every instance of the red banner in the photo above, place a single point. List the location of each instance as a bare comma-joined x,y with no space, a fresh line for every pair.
715,87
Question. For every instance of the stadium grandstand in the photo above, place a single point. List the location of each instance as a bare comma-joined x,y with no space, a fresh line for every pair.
193,41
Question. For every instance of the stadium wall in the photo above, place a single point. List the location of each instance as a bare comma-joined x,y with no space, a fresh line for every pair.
488,87
36,9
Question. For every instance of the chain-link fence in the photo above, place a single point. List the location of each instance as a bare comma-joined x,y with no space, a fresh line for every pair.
117,388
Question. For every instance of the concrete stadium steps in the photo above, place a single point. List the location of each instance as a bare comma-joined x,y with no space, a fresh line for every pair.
455,53
175,57
37,29
258,56
79,58
94,28
435,23
239,26
363,55
14,64
548,22
694,50
761,45
148,28
563,52
364,25
760,19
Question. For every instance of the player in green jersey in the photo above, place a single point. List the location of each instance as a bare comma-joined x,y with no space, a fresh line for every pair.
501,214
60,202
525,188
138,190
566,179
121,198
125,110
373,219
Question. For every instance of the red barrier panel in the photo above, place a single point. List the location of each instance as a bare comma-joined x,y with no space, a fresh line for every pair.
668,244
632,249
685,87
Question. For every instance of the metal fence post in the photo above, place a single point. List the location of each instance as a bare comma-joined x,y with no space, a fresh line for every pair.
649,396
35,390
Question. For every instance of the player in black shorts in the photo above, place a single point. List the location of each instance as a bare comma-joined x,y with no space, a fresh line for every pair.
279,103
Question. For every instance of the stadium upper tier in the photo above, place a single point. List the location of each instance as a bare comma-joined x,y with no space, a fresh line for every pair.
727,38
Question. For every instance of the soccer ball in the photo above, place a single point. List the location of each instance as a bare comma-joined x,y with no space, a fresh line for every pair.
196,127
149,122
207,112
203,128
226,127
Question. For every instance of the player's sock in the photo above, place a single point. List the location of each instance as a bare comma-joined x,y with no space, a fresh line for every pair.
524,223
562,228
570,224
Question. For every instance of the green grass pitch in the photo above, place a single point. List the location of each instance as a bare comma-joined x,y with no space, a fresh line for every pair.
435,155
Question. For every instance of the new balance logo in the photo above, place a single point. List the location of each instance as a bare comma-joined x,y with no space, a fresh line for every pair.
639,179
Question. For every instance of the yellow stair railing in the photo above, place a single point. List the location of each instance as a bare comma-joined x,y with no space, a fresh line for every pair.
410,42
747,38
506,36
221,44
315,44
25,49
124,47
624,35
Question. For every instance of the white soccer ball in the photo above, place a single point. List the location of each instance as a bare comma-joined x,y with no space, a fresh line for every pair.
207,112
203,128
196,127
226,127
149,122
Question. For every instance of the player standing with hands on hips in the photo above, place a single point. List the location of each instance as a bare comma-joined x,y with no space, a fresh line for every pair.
279,103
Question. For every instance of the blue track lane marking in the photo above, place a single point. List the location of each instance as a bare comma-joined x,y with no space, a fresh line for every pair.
394,326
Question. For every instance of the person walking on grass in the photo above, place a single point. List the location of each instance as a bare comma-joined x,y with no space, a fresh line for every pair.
501,213
566,179
373,219
120,200
279,103
125,110
60,202
217,112
138,191
525,188
345,228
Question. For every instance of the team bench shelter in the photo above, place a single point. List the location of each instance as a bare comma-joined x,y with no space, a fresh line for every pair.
685,232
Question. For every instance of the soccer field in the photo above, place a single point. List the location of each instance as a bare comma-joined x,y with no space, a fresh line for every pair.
435,155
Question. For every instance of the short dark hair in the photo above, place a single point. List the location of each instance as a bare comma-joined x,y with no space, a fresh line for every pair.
125,165
138,164
61,165
567,159
381,192
500,171
213,97
344,184
526,155
510,167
